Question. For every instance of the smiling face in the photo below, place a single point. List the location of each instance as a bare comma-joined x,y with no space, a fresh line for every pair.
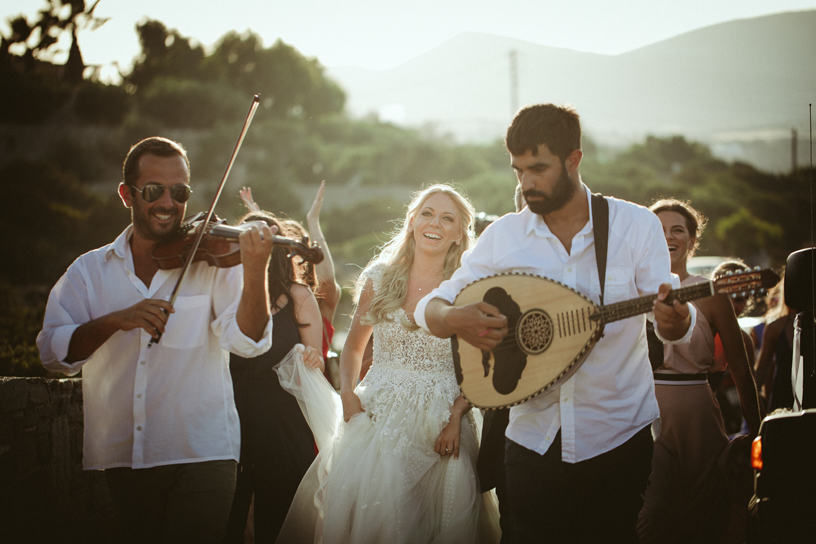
157,220
436,224
678,238
545,179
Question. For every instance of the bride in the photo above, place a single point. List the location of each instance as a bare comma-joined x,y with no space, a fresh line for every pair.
398,451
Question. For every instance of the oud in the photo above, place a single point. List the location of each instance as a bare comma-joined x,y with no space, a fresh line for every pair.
551,330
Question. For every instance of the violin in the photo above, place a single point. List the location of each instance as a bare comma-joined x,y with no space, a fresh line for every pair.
192,248
219,245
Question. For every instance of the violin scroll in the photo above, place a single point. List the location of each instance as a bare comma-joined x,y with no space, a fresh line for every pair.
311,253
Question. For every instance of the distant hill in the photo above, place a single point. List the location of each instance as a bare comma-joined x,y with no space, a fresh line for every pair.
729,85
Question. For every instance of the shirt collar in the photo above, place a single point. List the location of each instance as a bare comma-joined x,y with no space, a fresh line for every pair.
120,246
536,224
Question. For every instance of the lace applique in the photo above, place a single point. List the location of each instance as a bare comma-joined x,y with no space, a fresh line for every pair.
411,384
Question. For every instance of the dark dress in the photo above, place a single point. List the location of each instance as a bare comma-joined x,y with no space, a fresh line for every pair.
276,443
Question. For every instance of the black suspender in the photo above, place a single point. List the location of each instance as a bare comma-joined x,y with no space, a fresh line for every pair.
600,226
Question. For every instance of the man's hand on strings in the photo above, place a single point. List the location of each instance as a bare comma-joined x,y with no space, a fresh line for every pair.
672,320
479,324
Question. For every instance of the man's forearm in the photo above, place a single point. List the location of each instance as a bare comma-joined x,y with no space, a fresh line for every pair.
676,331
88,337
253,309
435,318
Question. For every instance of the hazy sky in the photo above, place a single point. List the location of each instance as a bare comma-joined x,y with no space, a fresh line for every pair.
380,33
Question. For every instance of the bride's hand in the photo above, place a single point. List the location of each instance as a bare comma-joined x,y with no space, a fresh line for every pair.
351,405
447,443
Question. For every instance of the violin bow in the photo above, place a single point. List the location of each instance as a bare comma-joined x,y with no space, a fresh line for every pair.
189,259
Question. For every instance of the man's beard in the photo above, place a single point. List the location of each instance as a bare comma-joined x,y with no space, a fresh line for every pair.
141,224
562,192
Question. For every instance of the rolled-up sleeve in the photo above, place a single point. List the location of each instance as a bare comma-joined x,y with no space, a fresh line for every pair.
226,298
66,310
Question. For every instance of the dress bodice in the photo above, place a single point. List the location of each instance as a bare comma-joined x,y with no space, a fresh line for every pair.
411,376
397,348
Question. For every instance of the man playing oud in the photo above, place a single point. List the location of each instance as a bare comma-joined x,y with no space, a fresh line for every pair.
578,457
160,419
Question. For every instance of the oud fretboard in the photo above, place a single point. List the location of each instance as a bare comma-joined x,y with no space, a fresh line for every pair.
642,305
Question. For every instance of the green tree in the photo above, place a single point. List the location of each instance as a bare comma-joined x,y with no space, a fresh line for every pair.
41,38
745,234
165,54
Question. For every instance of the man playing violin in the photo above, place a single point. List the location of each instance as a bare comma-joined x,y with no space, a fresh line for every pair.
160,418
578,457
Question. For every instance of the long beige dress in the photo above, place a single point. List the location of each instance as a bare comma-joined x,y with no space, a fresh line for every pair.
690,491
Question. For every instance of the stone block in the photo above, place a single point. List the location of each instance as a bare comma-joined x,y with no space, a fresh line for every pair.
6,432
61,454
46,412
24,450
19,398
75,414
44,444
30,419
6,395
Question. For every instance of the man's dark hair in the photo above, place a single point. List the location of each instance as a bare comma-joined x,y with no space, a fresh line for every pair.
559,127
155,145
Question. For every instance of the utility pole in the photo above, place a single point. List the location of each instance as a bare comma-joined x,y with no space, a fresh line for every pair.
514,99
794,152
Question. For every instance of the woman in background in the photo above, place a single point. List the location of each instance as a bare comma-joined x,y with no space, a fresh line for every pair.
320,277
689,495
723,384
276,442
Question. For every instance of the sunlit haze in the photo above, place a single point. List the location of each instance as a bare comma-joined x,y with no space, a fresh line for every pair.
379,35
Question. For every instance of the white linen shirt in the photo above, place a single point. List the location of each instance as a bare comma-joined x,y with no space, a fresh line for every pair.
167,404
611,396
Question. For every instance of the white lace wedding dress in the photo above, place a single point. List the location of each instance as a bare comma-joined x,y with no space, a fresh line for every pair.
377,478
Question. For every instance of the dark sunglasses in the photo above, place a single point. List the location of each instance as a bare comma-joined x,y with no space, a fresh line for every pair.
153,192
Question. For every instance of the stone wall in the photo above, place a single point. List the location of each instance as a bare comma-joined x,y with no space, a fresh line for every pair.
45,496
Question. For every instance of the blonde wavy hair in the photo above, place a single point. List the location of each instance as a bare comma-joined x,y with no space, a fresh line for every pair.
397,255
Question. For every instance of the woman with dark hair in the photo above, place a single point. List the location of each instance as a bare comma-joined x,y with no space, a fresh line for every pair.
689,495
722,382
276,443
321,277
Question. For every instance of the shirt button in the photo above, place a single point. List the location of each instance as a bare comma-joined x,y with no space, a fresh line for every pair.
569,269
139,428
142,362
139,396
548,437
566,399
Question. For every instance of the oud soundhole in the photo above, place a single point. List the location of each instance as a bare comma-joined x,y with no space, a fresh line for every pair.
534,331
